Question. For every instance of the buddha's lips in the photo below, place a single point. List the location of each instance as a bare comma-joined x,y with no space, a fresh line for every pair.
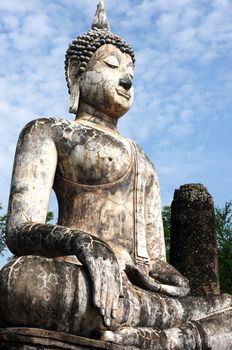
124,94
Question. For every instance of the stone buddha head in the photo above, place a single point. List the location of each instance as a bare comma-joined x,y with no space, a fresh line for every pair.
99,67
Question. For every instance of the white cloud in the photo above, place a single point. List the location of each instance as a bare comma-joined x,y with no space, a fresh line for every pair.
182,86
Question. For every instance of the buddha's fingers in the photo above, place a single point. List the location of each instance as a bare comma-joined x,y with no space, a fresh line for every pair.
96,278
137,277
173,279
174,291
91,265
103,289
114,307
112,293
102,264
167,274
174,286
106,288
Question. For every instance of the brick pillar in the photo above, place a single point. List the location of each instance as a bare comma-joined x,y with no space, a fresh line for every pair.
193,248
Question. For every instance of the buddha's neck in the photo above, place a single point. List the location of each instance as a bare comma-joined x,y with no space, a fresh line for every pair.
90,114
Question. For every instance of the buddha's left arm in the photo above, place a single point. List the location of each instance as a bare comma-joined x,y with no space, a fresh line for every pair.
153,219
170,280
162,277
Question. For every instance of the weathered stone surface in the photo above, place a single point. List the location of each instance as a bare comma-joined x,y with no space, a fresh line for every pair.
33,338
193,246
101,272
215,330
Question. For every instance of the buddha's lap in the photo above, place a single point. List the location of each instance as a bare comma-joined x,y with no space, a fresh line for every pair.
42,292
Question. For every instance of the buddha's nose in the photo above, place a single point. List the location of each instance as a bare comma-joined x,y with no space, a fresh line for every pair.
126,82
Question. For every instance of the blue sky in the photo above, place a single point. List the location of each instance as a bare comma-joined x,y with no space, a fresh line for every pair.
183,81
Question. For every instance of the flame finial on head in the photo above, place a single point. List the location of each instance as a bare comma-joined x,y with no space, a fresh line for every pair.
100,20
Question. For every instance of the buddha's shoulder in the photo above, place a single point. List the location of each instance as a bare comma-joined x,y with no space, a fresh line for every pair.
47,122
50,125
143,159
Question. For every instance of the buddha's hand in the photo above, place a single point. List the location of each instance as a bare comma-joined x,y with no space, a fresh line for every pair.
104,271
163,278
171,281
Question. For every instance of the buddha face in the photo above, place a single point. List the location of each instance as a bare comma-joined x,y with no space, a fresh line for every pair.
106,84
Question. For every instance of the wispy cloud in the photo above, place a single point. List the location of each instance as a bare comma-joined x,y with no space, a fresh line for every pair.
183,80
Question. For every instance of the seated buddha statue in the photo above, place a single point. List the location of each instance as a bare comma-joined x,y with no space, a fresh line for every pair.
101,271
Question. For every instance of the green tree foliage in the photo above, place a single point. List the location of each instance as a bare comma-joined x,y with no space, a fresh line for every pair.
166,214
224,236
50,216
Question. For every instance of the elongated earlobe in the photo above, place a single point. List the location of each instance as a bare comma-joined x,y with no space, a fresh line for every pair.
74,97
73,84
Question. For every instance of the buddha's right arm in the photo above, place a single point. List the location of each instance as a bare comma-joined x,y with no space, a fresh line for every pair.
28,234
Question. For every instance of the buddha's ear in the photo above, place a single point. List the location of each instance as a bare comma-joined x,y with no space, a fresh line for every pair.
74,98
73,83
72,71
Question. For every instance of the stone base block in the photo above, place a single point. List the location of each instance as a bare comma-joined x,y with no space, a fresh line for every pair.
40,339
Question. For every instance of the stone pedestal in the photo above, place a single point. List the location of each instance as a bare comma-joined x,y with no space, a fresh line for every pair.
193,247
40,339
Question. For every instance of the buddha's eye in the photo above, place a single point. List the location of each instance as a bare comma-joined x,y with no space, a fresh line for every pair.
111,65
112,62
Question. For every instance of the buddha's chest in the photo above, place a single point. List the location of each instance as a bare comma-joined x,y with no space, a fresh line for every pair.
92,157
